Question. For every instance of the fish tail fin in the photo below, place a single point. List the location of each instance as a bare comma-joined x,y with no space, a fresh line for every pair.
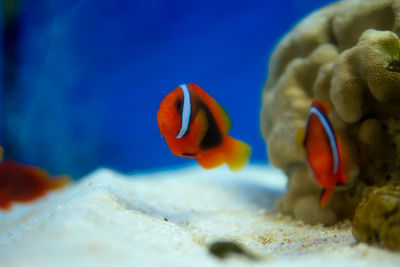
233,152
59,182
237,153
326,196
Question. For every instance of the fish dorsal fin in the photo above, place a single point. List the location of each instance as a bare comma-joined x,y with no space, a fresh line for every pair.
324,106
223,118
216,109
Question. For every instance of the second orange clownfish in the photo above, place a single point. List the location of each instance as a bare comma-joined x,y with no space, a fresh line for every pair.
325,151
196,126
21,183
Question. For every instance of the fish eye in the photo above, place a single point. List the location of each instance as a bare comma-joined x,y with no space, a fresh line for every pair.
178,104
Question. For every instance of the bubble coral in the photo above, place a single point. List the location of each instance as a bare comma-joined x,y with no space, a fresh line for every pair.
348,55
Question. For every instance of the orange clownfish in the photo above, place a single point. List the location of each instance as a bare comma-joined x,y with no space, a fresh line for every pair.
196,126
22,183
324,151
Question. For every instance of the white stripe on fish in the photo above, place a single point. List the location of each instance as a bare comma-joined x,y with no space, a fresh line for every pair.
185,111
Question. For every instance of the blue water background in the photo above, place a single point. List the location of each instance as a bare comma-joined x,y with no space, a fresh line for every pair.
92,75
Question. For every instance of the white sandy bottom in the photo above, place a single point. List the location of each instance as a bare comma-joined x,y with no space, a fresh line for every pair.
169,219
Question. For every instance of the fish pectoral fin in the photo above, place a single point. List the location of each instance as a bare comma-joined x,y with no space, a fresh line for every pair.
300,135
199,127
326,195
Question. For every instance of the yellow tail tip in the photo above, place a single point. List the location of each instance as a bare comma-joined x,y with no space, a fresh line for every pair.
59,182
240,155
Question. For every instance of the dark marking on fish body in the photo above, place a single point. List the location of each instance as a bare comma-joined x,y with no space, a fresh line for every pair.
179,106
213,136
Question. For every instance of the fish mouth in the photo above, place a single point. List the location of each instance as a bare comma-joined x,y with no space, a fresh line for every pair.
164,118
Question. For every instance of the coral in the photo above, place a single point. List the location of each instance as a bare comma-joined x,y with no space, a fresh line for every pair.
377,218
347,55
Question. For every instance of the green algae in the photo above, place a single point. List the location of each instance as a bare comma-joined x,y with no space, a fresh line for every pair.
391,48
377,217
